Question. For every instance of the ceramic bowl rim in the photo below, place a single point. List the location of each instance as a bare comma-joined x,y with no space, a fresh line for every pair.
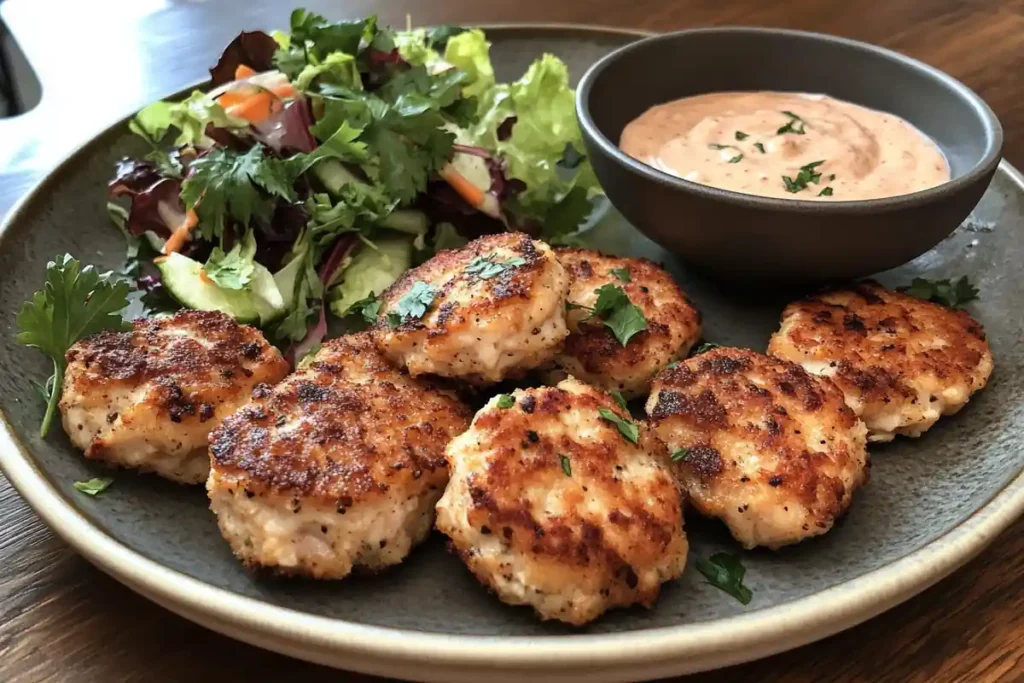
985,165
708,644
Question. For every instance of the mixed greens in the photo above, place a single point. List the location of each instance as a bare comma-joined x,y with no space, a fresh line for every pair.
326,161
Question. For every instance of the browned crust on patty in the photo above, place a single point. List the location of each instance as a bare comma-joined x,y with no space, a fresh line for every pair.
189,378
343,429
871,337
709,402
673,323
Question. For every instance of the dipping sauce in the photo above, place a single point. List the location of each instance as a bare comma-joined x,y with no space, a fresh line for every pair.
788,145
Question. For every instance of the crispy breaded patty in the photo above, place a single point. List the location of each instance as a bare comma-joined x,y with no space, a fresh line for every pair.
495,309
148,398
901,362
758,442
338,466
550,506
593,354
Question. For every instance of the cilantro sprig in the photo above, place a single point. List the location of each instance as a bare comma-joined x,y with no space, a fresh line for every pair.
413,305
619,314
796,125
725,572
806,175
74,303
946,292
627,429
487,267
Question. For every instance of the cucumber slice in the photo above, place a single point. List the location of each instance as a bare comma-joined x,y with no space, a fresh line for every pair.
183,278
333,174
371,272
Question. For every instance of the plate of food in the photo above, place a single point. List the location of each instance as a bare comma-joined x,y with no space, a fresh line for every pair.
368,368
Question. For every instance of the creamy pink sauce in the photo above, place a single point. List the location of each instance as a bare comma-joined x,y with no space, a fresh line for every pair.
752,141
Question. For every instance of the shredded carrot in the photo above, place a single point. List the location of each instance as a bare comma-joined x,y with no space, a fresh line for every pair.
254,109
233,97
243,71
467,190
284,90
177,239
204,277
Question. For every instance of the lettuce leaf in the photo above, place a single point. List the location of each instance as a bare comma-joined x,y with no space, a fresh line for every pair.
191,116
543,148
338,68
371,271
233,269
470,52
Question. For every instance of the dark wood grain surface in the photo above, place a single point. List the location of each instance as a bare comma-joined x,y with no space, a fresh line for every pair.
63,620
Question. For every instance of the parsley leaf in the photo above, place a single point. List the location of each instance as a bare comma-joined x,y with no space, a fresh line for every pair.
619,398
485,267
740,135
725,572
622,274
229,183
704,347
627,429
806,175
945,292
625,322
759,147
75,303
562,219
368,307
736,159
566,465
95,486
619,314
505,401
827,192
413,305
796,125
680,454
234,269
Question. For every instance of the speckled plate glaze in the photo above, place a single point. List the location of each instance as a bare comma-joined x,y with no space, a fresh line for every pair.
933,503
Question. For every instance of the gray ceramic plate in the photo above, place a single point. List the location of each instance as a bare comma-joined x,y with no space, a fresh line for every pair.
932,504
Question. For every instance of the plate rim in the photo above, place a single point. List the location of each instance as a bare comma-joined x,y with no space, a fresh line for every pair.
677,649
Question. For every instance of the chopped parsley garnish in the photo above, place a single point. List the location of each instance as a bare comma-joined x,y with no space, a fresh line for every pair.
945,292
736,159
715,145
725,572
832,177
759,147
796,125
672,365
368,307
75,302
619,314
619,398
621,273
566,465
413,305
740,135
806,175
485,267
627,429
680,454
704,348
505,401
95,486
827,192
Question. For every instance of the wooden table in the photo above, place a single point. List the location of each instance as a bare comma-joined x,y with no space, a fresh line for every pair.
61,619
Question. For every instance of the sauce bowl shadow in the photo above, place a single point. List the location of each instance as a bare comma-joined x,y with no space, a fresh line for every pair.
745,237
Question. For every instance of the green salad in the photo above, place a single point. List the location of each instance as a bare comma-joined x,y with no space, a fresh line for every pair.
326,161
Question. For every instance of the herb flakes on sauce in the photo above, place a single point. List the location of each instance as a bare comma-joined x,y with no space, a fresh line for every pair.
725,572
795,126
806,175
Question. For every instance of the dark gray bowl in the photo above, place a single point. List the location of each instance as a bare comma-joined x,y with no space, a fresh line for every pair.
737,235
